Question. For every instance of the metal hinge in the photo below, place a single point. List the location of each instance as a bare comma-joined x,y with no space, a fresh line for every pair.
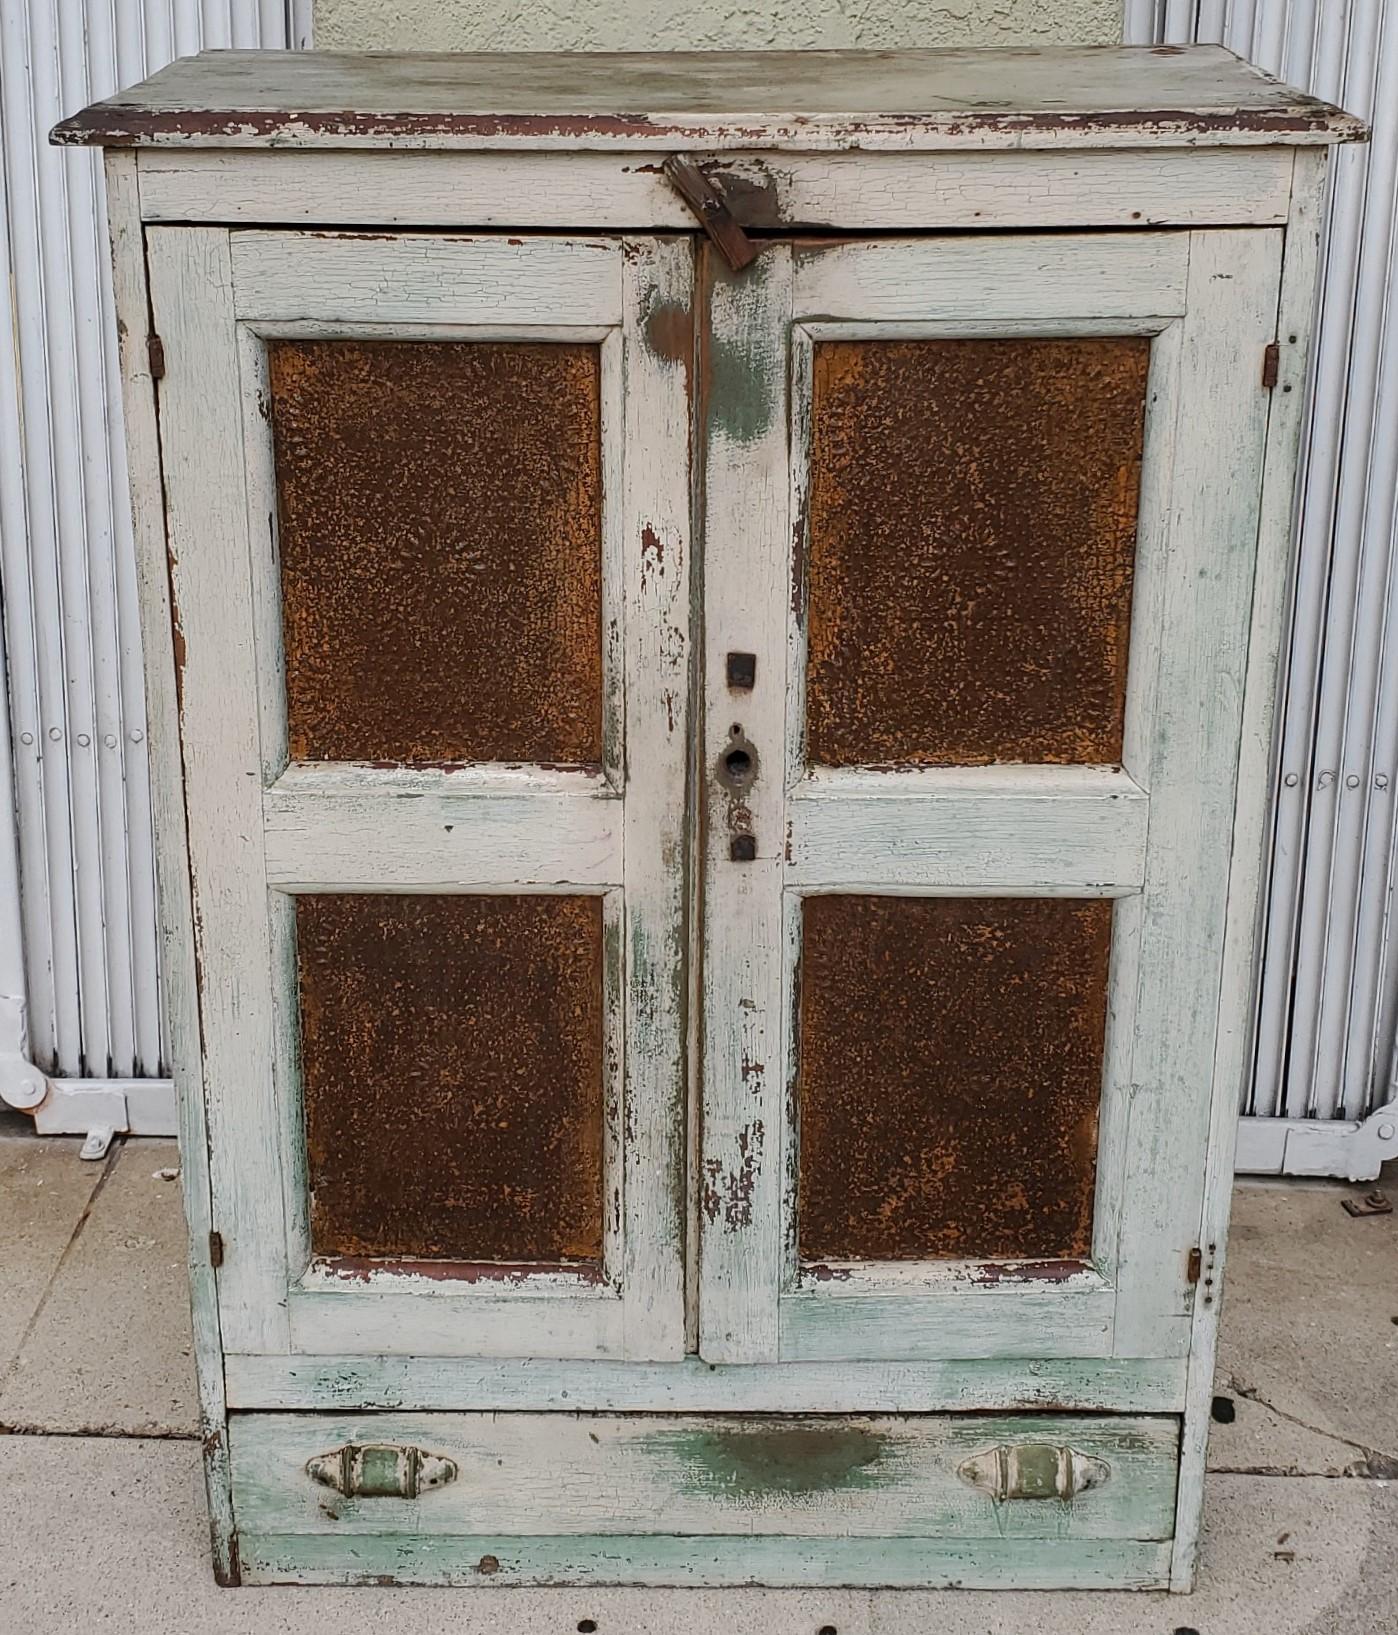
1194,1266
155,351
215,1249
1271,365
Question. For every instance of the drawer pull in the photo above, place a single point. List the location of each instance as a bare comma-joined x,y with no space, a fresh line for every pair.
376,1470
1033,1470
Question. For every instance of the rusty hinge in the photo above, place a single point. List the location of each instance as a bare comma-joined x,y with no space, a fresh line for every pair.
1194,1267
215,1249
710,206
155,352
1271,365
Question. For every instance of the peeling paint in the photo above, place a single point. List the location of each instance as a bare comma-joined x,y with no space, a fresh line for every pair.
788,1457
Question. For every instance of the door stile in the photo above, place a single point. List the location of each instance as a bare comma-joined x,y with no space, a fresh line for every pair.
658,337
1190,749
747,557
216,666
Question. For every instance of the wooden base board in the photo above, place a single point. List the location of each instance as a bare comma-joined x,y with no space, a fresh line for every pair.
729,1561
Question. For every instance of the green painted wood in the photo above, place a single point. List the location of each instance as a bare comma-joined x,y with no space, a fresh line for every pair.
351,1384
804,1475
903,1563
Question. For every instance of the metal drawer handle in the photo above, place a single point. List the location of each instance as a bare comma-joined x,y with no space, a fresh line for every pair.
375,1470
1033,1470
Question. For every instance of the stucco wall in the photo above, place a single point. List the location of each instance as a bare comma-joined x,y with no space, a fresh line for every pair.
657,25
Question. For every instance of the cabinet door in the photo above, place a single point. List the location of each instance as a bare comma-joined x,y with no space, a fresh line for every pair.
980,530
428,520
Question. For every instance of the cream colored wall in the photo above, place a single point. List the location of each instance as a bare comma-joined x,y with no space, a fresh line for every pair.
657,25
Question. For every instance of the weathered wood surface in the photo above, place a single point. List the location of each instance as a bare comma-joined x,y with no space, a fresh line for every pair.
916,192
1026,830
844,1478
481,1561
178,963
921,282
745,1022
208,526
655,654
1271,584
403,829
856,1338
487,827
714,99
348,1384
344,278
1186,753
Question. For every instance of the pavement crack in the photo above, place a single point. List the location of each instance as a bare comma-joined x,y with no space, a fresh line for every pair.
113,1433
1375,1465
109,1163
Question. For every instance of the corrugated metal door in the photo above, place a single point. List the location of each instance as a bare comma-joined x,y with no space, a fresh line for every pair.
1321,1097
85,916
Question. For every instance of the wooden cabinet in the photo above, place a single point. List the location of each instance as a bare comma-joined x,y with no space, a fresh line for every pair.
712,676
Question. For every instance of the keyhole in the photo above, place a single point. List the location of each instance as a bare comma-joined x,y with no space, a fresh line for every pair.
737,763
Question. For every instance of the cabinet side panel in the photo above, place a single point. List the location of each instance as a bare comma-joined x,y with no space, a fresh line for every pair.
171,848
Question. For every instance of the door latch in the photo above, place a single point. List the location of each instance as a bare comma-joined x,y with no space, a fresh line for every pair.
710,206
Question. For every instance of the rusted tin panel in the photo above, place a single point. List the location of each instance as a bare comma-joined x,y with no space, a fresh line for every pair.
950,1071
452,1076
440,531
972,534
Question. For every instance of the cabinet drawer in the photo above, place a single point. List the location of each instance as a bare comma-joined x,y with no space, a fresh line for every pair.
529,1475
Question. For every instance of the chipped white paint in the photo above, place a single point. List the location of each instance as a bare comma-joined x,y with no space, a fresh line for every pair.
816,101
1064,831
131,293
848,190
747,566
1105,1384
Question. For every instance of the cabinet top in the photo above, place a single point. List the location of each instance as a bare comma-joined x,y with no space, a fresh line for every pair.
1099,96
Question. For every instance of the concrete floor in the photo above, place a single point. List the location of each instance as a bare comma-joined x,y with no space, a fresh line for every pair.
101,1509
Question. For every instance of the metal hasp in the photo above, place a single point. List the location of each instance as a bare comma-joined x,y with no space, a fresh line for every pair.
710,206
375,1470
1033,1470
